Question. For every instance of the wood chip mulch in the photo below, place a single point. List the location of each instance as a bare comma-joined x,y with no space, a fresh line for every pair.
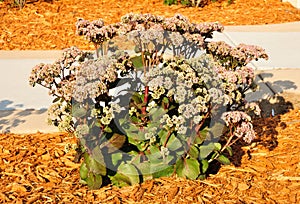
50,24
36,168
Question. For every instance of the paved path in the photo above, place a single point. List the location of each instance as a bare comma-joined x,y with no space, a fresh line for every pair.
22,108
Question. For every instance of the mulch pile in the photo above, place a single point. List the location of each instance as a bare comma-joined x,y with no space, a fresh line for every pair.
50,24
37,168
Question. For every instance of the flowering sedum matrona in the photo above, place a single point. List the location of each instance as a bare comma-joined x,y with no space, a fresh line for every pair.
157,98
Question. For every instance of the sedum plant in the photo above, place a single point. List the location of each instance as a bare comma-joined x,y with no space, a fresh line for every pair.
156,98
194,3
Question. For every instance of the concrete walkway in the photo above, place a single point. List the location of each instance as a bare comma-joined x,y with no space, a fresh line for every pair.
23,108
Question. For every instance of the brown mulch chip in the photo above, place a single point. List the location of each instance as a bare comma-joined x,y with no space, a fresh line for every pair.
36,168
48,25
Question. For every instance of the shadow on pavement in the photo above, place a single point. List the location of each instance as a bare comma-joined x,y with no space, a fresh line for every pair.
11,118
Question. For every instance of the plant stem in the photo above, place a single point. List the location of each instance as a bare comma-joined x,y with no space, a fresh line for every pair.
228,143
168,136
146,94
146,98
197,128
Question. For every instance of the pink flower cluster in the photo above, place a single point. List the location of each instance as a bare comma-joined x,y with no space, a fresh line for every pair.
59,77
241,122
240,76
44,74
92,78
177,23
97,32
232,57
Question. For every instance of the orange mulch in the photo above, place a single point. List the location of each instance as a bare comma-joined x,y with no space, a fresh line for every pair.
36,168
42,25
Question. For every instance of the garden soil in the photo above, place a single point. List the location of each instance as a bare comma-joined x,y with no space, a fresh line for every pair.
50,24
39,167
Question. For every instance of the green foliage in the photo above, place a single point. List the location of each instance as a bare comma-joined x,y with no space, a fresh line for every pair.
195,3
188,168
127,174
170,2
20,3
15,3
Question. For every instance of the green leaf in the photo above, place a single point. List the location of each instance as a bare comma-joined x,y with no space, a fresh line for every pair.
107,129
161,170
96,167
115,142
141,134
188,168
120,180
56,100
142,146
202,177
204,132
156,114
173,143
162,134
95,162
218,146
154,156
165,100
194,152
134,119
98,123
78,112
205,150
168,159
229,150
116,158
123,121
137,49
201,136
204,165
97,154
130,128
217,130
223,159
132,154
94,181
129,171
132,140
137,98
137,61
83,171
145,169
136,159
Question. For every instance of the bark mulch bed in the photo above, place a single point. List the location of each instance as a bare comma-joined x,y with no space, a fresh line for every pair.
36,168
50,24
